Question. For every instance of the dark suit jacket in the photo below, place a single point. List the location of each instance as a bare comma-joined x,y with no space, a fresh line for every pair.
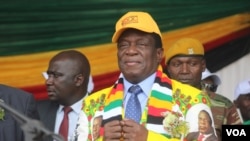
47,111
21,101
194,136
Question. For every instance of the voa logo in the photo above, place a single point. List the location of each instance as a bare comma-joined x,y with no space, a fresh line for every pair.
236,132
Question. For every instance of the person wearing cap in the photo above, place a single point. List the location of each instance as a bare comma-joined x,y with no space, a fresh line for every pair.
185,62
210,81
139,53
242,100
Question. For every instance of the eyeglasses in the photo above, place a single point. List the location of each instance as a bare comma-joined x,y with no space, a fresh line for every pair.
210,87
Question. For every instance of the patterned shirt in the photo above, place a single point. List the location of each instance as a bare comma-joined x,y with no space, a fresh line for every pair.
224,112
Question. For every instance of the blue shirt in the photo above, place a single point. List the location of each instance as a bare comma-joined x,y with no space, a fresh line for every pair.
146,86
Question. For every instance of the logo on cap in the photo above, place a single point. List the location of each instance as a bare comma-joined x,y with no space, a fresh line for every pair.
130,19
190,51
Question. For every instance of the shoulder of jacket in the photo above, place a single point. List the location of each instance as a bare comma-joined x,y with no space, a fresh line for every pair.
223,99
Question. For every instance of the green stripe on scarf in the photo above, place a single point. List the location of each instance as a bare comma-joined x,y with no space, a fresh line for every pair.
161,96
113,104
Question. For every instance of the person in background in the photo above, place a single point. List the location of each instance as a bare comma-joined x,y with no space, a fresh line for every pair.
91,84
133,108
67,85
210,81
185,62
21,101
205,130
242,100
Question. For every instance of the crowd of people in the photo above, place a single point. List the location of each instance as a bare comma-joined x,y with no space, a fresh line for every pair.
141,104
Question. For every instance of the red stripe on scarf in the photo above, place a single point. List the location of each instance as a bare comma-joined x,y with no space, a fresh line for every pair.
154,111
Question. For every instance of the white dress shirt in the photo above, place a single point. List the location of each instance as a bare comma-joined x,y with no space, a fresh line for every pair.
73,117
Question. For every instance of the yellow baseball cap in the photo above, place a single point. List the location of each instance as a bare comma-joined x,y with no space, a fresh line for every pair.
137,20
185,46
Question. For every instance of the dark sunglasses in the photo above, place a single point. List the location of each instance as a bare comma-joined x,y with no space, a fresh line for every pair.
211,87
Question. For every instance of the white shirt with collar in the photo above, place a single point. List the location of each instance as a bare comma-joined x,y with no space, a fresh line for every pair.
73,117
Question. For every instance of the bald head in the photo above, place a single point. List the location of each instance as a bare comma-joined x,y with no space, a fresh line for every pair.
68,73
82,63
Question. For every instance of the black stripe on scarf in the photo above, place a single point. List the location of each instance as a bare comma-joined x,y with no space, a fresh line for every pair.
118,117
155,120
163,84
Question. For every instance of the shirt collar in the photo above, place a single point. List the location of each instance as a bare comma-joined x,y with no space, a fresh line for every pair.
76,107
146,85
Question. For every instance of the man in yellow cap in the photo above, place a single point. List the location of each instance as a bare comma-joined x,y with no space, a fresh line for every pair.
185,62
135,107
183,54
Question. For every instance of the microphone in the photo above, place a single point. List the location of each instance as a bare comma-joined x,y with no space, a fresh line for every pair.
33,129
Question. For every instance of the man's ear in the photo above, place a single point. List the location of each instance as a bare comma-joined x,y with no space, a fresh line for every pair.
160,53
79,79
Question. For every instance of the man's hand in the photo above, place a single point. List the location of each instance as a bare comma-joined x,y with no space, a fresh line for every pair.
113,131
133,131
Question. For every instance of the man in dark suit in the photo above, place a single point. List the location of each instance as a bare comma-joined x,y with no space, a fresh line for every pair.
206,131
68,76
21,101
